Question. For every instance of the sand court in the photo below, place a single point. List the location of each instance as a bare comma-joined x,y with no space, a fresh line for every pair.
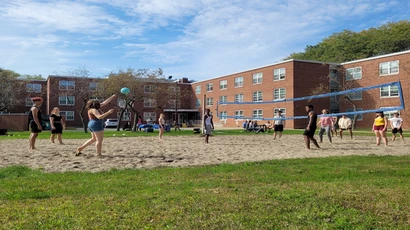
182,151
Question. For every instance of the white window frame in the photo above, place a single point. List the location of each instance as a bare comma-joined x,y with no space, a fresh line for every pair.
257,114
68,117
152,115
389,90
150,103
354,73
389,113
257,78
276,110
238,82
209,87
198,103
257,96
67,100
29,102
239,113
209,101
197,89
389,68
360,118
121,102
239,97
279,74
223,84
223,99
126,116
33,88
149,88
223,113
66,85
171,103
356,96
279,94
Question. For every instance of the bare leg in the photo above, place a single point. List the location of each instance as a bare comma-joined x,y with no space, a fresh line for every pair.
384,137
52,138
99,139
161,132
32,140
376,132
274,135
88,142
60,138
341,134
351,133
280,135
206,139
314,142
307,141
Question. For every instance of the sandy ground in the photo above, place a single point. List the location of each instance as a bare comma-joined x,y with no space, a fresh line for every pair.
183,151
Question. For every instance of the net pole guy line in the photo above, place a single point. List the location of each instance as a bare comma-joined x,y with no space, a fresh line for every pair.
400,107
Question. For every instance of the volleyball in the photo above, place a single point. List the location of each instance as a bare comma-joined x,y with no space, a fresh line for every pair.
125,90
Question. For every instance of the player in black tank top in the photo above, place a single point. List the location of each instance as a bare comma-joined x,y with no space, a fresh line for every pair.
35,121
311,127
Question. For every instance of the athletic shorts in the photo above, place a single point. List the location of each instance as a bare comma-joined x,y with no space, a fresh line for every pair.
278,128
309,133
346,129
34,127
378,127
397,130
208,129
96,125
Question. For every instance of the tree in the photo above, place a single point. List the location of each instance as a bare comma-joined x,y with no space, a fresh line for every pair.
9,96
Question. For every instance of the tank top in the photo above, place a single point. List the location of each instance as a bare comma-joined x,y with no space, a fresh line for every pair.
314,120
57,119
30,114
92,116
379,121
208,120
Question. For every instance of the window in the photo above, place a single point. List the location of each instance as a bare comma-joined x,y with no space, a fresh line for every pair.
150,115
121,102
279,74
223,84
198,89
257,113
198,103
389,113
149,103
389,91
276,110
36,88
257,78
238,82
174,89
279,94
29,102
355,96
209,87
223,99
387,68
171,103
360,116
354,73
67,85
93,86
66,100
149,88
239,114
223,115
69,115
257,96
239,97
126,116
209,101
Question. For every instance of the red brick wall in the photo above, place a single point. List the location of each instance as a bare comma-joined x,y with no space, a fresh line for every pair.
14,122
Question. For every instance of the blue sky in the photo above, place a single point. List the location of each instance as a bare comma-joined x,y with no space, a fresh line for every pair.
186,38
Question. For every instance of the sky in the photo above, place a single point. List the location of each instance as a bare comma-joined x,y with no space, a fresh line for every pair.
194,39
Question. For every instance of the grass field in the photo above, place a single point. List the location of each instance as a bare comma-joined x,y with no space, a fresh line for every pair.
350,192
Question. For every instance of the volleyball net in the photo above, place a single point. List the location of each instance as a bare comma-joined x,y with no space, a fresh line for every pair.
391,91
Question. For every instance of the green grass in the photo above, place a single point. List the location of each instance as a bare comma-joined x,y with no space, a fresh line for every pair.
327,193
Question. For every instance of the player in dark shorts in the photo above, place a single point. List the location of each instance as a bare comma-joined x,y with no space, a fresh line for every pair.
35,121
309,132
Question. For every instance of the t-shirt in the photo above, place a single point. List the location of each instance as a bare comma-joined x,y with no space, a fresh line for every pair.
278,122
345,123
396,121
379,121
326,121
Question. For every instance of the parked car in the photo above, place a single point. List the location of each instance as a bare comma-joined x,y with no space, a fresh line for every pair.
111,123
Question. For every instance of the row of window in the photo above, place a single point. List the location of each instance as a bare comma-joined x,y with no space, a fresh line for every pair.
256,113
280,94
278,74
385,68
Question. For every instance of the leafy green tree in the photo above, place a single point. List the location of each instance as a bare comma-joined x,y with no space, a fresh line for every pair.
9,96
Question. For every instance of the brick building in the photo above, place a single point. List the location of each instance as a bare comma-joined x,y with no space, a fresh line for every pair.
299,78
